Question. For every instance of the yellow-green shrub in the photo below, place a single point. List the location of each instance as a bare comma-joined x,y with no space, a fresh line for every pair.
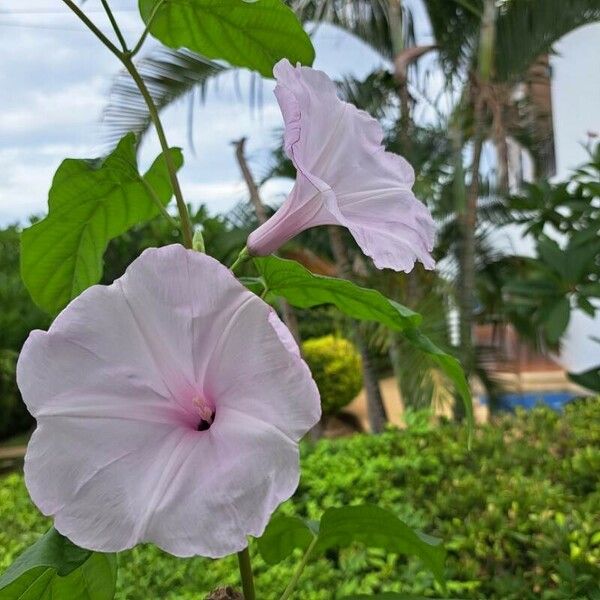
336,367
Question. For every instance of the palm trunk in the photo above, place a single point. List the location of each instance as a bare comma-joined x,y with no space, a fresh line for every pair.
468,217
468,226
375,407
501,144
402,60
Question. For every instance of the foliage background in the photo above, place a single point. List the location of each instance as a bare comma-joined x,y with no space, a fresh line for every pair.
520,514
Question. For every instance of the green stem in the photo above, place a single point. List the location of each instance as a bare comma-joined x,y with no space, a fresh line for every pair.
158,203
246,574
186,224
243,256
90,25
146,31
115,25
298,572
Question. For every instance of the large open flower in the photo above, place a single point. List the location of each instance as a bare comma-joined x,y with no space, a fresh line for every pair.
345,177
169,406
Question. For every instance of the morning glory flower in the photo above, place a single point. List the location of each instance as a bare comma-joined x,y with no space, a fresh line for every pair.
345,177
169,407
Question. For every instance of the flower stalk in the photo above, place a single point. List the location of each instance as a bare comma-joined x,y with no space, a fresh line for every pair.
243,256
246,574
298,572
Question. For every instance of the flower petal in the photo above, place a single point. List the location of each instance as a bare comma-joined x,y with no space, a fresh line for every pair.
257,372
345,176
116,458
303,208
190,493
227,487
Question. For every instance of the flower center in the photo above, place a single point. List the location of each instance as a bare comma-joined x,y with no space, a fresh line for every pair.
206,412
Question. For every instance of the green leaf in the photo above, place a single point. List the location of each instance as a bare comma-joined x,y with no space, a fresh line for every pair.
557,319
584,304
303,289
55,568
551,253
254,284
90,202
529,292
591,289
253,34
588,379
283,535
340,527
379,528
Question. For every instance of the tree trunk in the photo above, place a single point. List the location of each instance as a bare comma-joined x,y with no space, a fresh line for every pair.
287,312
289,316
403,58
479,82
468,226
259,207
501,144
375,407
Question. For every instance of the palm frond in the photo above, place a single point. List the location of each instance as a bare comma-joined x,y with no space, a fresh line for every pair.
368,20
455,25
169,75
375,94
528,28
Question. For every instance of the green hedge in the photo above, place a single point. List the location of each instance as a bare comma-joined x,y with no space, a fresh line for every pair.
520,514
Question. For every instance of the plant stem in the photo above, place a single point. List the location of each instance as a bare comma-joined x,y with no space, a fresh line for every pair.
158,203
115,25
125,58
146,31
298,572
243,256
246,574
186,224
90,25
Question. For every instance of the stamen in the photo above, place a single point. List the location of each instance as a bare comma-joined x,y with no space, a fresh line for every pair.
206,412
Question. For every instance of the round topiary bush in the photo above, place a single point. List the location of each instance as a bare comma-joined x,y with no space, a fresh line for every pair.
336,367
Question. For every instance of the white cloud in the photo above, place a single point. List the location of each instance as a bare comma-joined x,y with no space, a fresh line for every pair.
53,90
75,105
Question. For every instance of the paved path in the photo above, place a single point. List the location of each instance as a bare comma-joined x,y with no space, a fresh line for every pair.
12,452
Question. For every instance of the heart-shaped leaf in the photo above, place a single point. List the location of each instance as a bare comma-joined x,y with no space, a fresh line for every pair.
55,568
253,34
378,528
90,202
366,524
283,535
303,289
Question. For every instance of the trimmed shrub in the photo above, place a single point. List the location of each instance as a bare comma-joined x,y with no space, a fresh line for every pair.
14,417
336,367
18,316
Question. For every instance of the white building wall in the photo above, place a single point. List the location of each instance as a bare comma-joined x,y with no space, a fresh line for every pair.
576,112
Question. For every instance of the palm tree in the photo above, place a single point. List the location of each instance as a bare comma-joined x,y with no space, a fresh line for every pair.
485,48
488,48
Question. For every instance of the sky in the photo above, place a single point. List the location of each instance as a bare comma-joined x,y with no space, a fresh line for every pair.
55,79
54,84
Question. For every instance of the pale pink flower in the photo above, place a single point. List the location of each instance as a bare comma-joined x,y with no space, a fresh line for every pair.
345,177
169,406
